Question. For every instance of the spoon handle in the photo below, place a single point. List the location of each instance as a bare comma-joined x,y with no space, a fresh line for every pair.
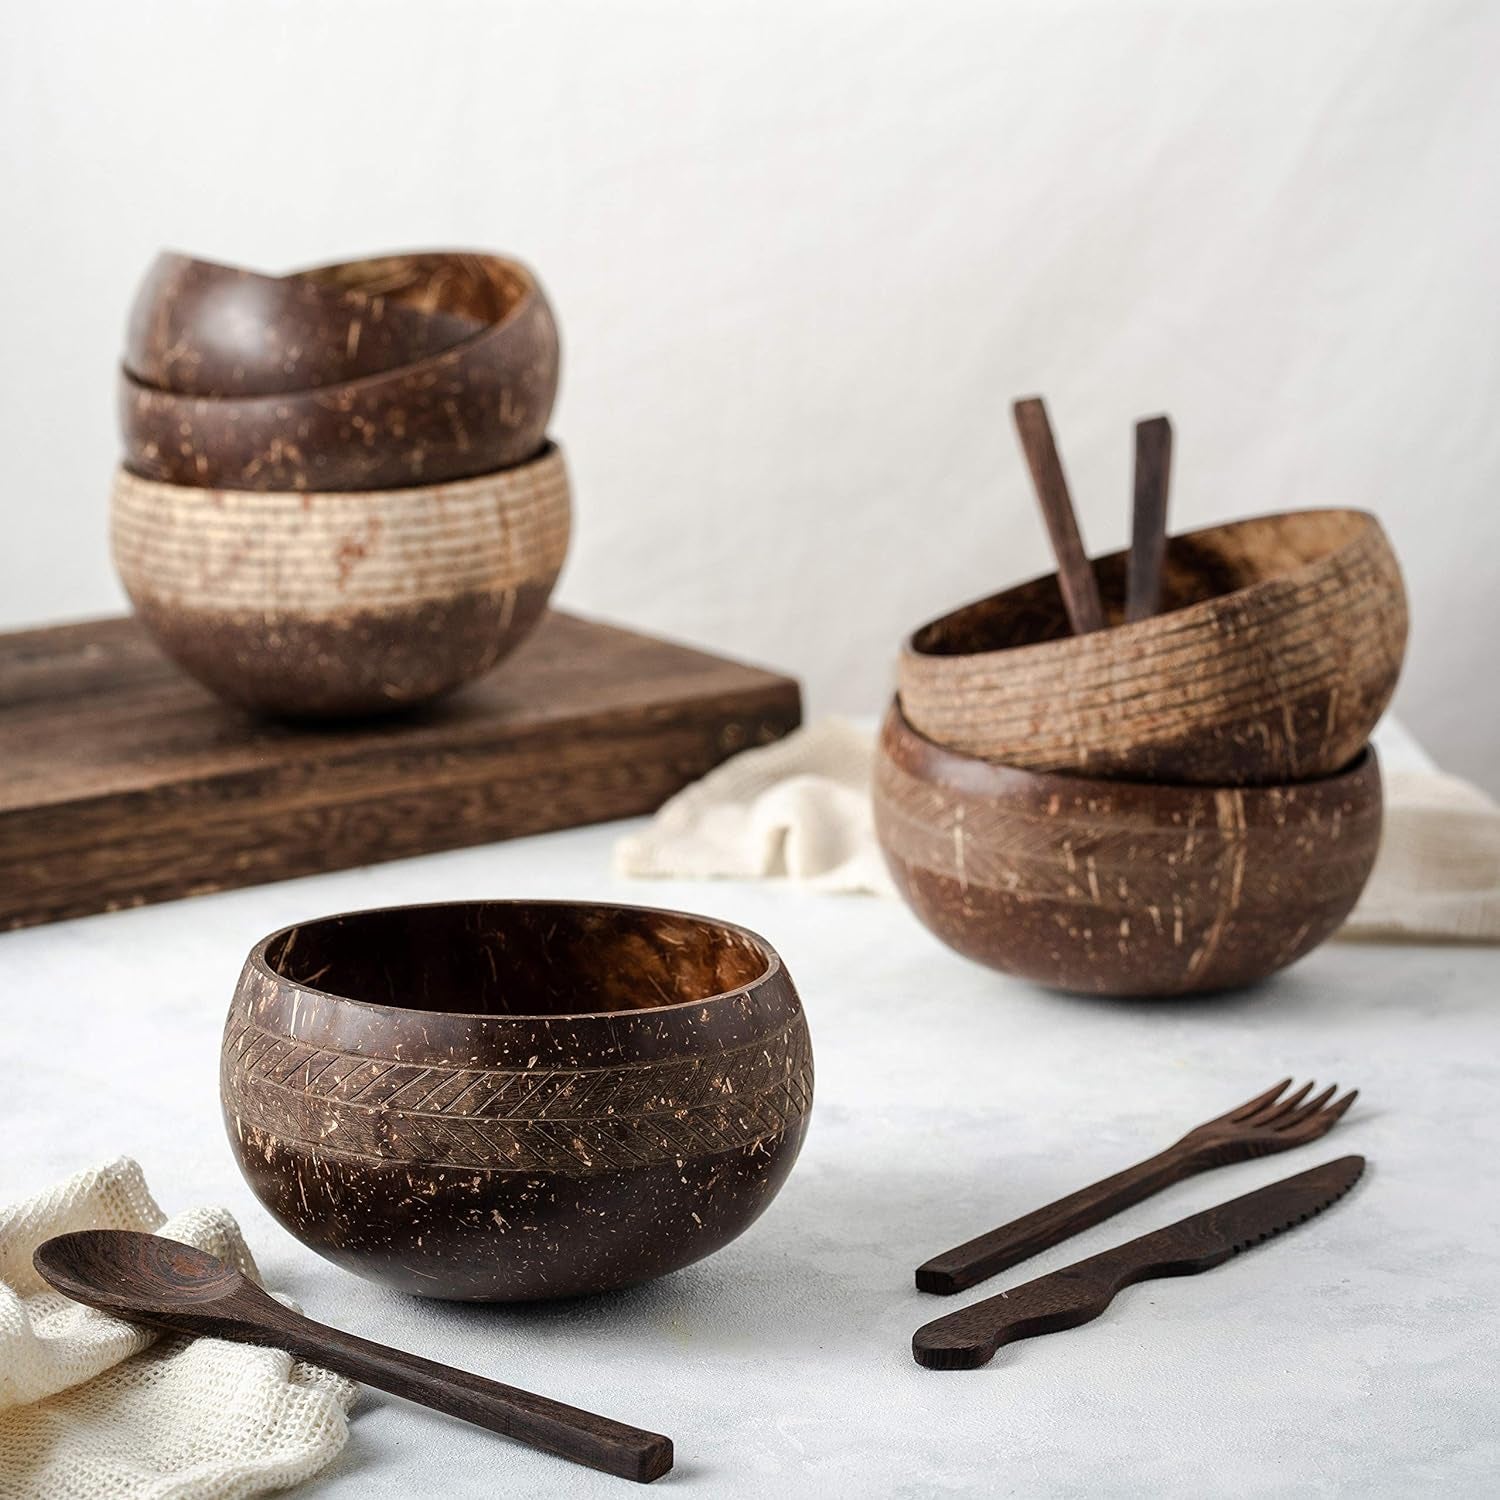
1148,538
1075,574
582,1436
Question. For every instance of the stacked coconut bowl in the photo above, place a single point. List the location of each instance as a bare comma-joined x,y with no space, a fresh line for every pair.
1148,774
338,497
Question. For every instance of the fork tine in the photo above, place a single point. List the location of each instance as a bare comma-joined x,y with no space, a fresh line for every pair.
1312,1106
1321,1123
1281,1107
1259,1102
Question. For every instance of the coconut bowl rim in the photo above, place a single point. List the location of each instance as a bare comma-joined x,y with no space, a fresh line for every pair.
1201,610
970,771
533,293
256,960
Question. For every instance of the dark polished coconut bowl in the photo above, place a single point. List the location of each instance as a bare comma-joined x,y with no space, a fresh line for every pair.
1121,887
511,1100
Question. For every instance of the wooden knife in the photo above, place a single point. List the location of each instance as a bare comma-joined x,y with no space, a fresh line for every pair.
1080,1292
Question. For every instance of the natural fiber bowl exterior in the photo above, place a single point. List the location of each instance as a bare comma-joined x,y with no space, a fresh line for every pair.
1279,648
1116,887
340,605
508,1100
478,406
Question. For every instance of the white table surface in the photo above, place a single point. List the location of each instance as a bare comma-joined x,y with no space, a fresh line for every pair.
1355,1355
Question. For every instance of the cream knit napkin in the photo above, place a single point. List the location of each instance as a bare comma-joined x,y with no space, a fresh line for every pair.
800,809
92,1408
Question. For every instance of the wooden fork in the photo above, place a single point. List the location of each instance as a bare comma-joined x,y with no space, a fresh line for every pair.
1272,1121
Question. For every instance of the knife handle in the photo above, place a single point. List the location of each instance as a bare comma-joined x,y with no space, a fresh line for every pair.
968,1264
1077,1294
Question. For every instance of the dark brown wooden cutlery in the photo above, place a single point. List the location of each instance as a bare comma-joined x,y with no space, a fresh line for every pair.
1272,1121
144,1278
1079,1293
1075,574
1148,544
1148,533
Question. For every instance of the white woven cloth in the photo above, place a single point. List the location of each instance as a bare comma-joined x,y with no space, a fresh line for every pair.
799,809
92,1408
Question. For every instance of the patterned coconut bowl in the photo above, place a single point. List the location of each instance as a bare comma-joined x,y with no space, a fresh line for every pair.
341,604
510,1100
1117,887
1277,649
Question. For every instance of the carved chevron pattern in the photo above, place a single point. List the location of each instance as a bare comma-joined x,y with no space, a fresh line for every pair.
572,1120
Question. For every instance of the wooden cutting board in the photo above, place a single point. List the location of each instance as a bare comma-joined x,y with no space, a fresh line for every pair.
123,782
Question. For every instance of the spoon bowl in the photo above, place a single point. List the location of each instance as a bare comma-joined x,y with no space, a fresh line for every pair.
137,1276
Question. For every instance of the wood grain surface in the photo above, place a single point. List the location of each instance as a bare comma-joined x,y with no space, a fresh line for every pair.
122,782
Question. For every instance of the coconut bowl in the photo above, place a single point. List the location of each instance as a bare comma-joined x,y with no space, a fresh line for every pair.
1278,648
336,605
201,329
480,405
510,1100
1116,887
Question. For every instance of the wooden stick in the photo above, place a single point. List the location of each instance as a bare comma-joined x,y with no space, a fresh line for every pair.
1148,537
1075,577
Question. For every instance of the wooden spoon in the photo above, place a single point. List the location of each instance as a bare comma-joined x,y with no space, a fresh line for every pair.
144,1278
1075,577
1148,537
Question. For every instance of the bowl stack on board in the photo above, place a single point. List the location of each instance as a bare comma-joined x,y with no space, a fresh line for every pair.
1148,774
337,495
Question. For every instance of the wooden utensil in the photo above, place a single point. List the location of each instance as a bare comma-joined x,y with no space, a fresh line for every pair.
1075,575
1270,1122
1080,1292
1148,536
144,1278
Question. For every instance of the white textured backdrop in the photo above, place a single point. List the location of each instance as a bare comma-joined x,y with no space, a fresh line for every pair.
804,252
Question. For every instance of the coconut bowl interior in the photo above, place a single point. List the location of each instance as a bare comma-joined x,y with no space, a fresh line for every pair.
1198,566
1278,648
485,288
518,959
